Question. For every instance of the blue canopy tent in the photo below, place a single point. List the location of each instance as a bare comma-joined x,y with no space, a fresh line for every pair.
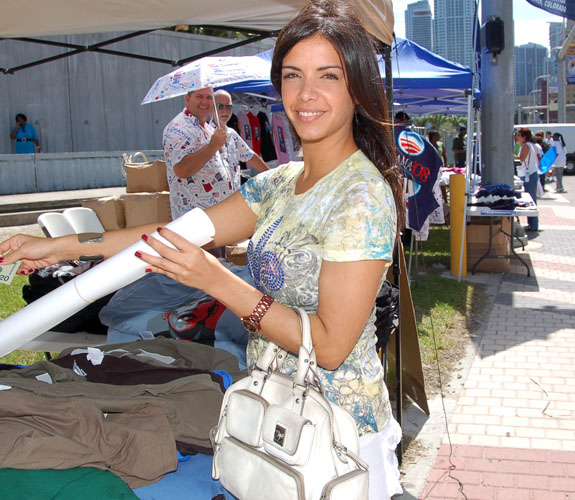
423,82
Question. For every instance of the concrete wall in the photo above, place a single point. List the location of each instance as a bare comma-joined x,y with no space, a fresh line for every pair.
37,173
91,101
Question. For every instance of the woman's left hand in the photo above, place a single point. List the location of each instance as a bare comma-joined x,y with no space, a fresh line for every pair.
187,263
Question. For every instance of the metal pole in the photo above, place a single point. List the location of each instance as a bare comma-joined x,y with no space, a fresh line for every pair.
497,100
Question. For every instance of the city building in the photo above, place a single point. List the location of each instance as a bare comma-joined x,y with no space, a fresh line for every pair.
555,42
529,64
418,24
453,30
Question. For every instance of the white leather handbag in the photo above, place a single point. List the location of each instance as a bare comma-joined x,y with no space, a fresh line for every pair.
279,437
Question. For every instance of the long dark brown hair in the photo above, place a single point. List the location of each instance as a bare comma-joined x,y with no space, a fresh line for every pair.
338,22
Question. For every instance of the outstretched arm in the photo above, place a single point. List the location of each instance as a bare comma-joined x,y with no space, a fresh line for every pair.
233,219
37,252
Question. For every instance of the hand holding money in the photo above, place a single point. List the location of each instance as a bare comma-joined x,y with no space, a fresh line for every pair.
7,272
32,252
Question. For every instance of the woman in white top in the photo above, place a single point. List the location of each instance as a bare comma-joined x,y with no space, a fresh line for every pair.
559,144
528,170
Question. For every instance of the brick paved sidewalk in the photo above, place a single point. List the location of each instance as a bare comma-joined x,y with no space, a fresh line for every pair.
512,432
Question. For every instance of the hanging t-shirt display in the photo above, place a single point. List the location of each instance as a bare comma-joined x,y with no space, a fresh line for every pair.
245,129
268,149
256,133
285,148
233,123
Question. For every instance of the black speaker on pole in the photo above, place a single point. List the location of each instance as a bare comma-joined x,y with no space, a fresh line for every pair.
492,36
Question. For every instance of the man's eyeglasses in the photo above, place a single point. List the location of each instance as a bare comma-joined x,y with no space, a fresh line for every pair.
229,107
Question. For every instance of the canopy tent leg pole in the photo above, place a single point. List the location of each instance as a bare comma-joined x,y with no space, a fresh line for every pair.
385,51
398,366
468,167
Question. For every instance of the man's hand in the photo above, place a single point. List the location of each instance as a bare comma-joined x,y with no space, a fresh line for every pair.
218,139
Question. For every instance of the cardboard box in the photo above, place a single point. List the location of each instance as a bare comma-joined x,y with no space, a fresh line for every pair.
147,208
110,211
478,243
146,177
238,253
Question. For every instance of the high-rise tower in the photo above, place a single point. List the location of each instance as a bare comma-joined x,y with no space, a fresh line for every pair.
453,30
530,62
418,23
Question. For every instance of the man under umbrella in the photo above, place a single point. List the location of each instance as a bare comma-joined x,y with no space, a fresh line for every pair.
235,150
197,173
197,157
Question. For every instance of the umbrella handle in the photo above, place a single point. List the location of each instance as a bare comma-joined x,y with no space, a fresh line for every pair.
215,109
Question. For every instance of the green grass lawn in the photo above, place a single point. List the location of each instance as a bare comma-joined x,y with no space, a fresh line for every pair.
11,301
448,313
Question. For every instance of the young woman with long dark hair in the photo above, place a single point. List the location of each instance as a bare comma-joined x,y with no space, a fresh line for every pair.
322,230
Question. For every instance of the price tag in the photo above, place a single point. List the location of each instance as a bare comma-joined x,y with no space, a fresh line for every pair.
7,272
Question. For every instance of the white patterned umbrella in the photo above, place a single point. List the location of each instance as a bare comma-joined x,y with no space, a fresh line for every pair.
208,72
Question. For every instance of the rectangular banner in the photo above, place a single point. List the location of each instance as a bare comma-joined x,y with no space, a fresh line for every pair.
570,66
563,8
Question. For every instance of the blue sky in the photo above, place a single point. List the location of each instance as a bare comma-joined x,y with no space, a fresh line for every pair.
530,22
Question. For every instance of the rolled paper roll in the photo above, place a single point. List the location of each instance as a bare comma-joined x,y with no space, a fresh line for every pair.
112,274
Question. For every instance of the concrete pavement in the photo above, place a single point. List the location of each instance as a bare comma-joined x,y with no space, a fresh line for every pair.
511,430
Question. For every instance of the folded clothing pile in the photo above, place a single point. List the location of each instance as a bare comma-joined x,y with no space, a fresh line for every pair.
498,197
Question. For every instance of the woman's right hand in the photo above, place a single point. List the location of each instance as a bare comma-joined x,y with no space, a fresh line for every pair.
34,252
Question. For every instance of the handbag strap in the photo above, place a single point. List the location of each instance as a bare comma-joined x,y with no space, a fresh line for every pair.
274,356
272,359
307,363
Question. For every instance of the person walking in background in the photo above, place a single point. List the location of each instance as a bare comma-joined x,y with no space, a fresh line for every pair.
528,170
559,163
460,148
235,150
25,136
539,140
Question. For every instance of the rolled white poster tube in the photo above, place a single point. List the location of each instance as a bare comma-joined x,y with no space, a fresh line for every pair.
107,277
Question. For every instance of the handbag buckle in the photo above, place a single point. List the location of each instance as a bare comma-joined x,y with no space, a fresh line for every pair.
341,451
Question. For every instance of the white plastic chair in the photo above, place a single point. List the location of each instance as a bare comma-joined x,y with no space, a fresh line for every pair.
55,224
84,220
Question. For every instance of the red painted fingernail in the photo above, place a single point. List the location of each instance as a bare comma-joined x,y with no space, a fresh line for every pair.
1,260
138,254
30,271
145,237
22,272
159,230
148,269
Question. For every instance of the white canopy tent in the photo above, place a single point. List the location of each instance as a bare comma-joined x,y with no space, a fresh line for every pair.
61,17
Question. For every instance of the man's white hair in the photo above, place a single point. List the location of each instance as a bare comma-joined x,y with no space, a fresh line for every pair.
222,92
